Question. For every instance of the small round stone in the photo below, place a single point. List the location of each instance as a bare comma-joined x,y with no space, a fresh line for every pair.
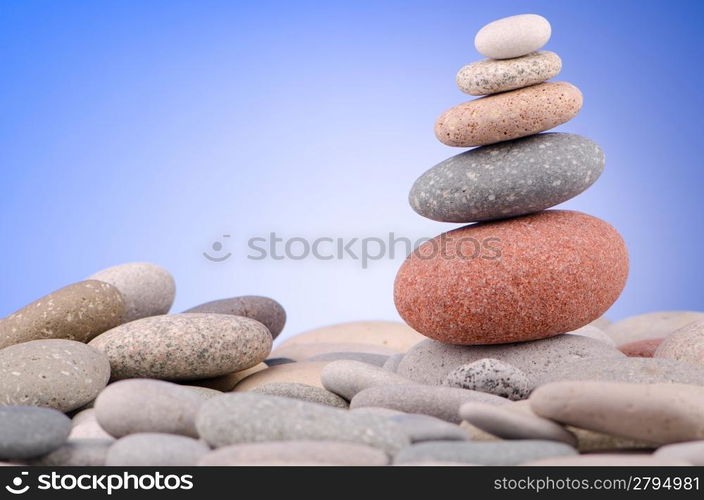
296,453
155,450
509,115
77,453
513,36
263,309
641,348
491,376
60,374
303,392
28,431
307,373
146,405
559,271
651,325
148,290
184,346
491,76
685,344
348,377
76,312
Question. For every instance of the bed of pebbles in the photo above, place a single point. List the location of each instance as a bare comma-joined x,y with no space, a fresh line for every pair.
504,360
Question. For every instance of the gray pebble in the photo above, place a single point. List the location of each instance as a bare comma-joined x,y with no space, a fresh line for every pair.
362,357
347,377
491,376
155,449
29,431
393,361
426,428
303,392
77,453
263,309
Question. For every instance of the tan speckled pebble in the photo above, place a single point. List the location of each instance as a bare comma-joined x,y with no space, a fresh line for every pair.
509,115
491,76
302,373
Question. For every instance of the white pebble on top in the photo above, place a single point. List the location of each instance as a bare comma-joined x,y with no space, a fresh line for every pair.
513,36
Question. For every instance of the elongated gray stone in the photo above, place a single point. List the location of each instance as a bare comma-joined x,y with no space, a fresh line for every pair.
348,377
263,309
29,431
483,453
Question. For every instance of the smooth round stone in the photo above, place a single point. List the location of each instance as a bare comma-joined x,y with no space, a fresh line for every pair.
296,453
507,424
85,426
685,345
631,370
430,362
155,450
491,376
609,460
513,36
426,428
392,362
203,392
659,413
440,402
145,405
59,374
593,333
692,452
227,382
148,290
307,373
508,179
363,357
242,418
651,325
641,348
28,431
559,271
304,352
76,312
347,377
184,346
396,336
77,453
509,115
491,76
483,453
263,309
303,392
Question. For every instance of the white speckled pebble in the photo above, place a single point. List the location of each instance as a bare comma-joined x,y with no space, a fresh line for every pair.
513,36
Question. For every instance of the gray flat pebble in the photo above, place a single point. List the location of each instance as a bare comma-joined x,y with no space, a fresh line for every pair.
155,449
29,431
426,428
392,362
77,453
491,376
347,377
440,402
263,309
483,453
303,392
246,417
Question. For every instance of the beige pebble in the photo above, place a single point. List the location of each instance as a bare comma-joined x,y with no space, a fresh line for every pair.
302,352
307,373
651,325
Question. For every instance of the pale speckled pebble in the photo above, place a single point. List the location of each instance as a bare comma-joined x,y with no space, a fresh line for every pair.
439,402
75,312
348,377
28,431
148,290
303,392
650,325
77,453
307,372
263,309
685,344
296,453
508,179
60,374
491,376
491,76
184,346
483,453
155,450
513,36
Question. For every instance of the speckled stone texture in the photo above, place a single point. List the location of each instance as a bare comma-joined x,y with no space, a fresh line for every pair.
491,376
146,405
303,392
263,309
641,348
59,374
297,453
440,402
241,418
508,179
430,361
634,370
27,431
659,413
650,325
148,290
491,76
509,115
76,312
513,36
548,273
184,346
155,449
685,344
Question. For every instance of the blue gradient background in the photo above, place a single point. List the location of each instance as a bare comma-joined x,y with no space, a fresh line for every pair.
144,130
